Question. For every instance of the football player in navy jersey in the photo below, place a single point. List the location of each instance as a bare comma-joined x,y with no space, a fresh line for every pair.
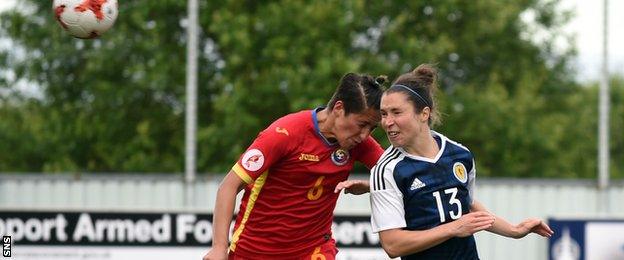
422,188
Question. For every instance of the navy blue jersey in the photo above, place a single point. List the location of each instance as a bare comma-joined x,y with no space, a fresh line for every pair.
417,193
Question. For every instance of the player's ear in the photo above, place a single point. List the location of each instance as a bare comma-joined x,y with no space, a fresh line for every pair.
338,107
425,114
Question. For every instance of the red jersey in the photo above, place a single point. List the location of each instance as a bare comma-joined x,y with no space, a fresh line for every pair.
291,171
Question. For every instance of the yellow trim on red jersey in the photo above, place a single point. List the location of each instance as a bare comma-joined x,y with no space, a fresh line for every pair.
242,173
255,191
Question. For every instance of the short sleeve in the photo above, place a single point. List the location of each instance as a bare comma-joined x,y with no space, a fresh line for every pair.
388,211
270,146
471,181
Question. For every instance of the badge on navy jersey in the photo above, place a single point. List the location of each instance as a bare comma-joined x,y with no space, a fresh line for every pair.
459,170
340,157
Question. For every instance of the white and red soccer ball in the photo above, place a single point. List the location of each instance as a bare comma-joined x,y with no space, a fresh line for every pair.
86,19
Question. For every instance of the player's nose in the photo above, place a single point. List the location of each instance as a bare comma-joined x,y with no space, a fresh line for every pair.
387,122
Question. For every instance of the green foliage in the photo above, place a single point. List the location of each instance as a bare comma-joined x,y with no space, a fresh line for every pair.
117,103
616,124
111,104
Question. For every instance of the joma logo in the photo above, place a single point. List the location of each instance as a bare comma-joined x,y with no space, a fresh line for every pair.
308,157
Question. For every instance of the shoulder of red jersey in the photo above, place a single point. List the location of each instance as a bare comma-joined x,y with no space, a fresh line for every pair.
368,151
291,125
279,139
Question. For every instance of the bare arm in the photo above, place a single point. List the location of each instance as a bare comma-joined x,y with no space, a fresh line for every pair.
504,228
399,242
222,215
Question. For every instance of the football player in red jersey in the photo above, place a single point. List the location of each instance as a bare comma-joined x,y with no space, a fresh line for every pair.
290,175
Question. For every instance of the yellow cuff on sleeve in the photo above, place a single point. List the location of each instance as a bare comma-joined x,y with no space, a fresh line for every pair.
242,173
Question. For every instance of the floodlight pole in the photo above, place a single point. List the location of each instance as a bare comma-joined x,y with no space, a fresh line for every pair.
603,127
191,102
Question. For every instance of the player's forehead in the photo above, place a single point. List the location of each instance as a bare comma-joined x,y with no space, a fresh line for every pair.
394,100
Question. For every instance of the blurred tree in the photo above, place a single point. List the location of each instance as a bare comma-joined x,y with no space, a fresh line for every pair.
116,103
110,104
616,138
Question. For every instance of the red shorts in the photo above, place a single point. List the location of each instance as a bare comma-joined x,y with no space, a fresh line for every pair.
326,251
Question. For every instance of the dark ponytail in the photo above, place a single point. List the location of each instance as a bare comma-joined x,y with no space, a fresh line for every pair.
358,92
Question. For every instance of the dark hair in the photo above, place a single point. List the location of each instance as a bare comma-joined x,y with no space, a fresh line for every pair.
421,86
358,92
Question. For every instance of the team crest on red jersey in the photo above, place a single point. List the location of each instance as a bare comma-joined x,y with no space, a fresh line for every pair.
253,160
340,157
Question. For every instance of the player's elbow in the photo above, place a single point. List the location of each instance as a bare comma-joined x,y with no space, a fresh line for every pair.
392,249
391,253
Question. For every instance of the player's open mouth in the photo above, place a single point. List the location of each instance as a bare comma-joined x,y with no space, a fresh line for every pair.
393,133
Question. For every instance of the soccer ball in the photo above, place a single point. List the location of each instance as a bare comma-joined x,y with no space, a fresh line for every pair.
85,19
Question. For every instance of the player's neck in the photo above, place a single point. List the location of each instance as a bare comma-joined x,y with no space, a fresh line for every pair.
323,120
424,145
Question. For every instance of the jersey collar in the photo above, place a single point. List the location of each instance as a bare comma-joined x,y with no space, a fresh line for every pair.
440,140
316,127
